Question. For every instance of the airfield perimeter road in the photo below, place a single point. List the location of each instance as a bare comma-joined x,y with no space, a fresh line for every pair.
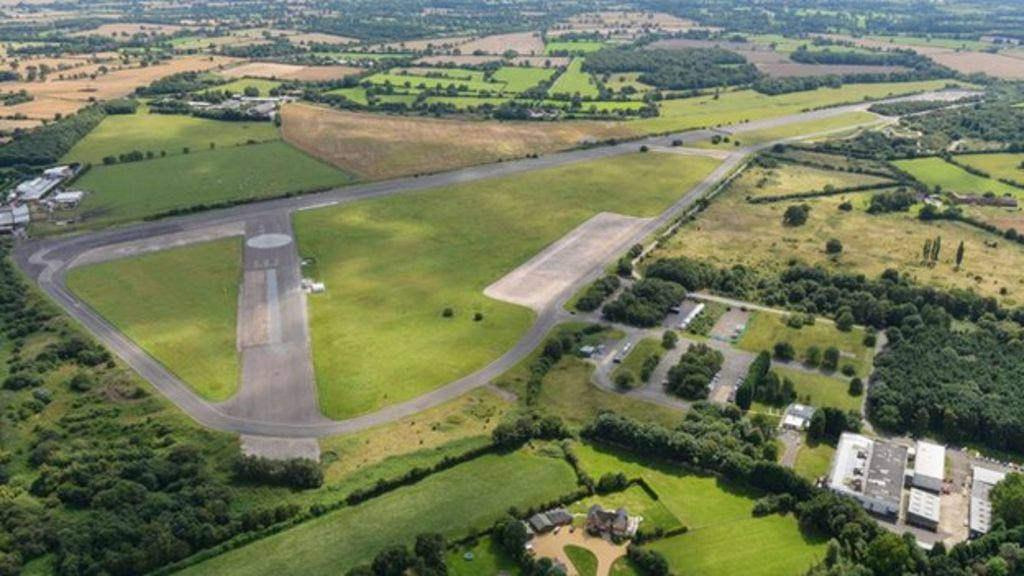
47,261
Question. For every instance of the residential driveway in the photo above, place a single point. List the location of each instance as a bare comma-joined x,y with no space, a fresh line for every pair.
553,545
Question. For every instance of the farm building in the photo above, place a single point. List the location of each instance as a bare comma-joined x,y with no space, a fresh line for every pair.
35,189
929,466
68,198
546,521
924,509
869,471
797,417
981,506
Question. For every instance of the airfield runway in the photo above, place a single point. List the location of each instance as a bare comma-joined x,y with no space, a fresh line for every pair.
277,397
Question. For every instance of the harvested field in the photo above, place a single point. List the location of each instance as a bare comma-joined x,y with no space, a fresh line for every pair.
126,30
44,108
457,59
375,146
526,43
423,45
117,84
11,125
998,65
319,38
290,71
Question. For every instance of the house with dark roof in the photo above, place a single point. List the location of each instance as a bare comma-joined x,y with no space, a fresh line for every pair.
615,523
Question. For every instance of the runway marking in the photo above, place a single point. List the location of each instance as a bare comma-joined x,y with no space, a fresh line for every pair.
268,241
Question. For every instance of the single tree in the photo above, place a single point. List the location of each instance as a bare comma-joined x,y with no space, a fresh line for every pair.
959,254
833,246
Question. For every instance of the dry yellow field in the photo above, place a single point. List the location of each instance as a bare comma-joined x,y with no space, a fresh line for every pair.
128,29
289,71
70,94
733,231
541,61
998,65
525,43
420,45
375,146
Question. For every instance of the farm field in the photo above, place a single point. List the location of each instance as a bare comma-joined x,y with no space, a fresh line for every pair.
525,43
1007,166
239,86
822,390
398,262
724,537
575,81
747,105
937,172
572,47
519,79
145,132
473,495
135,190
410,80
871,243
188,326
765,329
375,146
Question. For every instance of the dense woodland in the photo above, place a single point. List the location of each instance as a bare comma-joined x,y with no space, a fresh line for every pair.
680,69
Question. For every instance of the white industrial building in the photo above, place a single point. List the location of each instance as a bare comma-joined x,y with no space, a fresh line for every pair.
929,466
870,471
13,218
981,506
797,417
35,189
924,509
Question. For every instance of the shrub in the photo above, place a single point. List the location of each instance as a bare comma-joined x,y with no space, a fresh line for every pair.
784,351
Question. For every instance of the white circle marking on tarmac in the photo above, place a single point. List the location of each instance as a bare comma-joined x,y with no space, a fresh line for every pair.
268,241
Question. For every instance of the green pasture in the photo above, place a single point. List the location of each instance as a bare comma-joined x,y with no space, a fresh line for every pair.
951,178
356,94
823,390
634,361
416,81
239,86
392,265
812,462
575,81
520,79
179,305
164,133
1008,166
134,190
572,47
469,497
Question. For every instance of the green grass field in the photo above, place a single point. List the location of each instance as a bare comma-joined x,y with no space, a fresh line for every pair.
748,547
415,81
812,462
135,190
937,172
392,265
179,305
723,538
467,102
998,165
520,79
822,390
356,94
156,133
487,559
239,86
469,497
766,329
574,80
572,46
748,105
582,559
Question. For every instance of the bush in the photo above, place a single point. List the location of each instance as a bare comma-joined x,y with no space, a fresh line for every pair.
833,246
796,215
447,313
784,351
625,379
856,386
612,482
669,340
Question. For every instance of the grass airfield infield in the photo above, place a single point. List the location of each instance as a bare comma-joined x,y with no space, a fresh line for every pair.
392,265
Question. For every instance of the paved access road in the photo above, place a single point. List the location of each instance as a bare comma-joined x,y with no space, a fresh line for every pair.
47,261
